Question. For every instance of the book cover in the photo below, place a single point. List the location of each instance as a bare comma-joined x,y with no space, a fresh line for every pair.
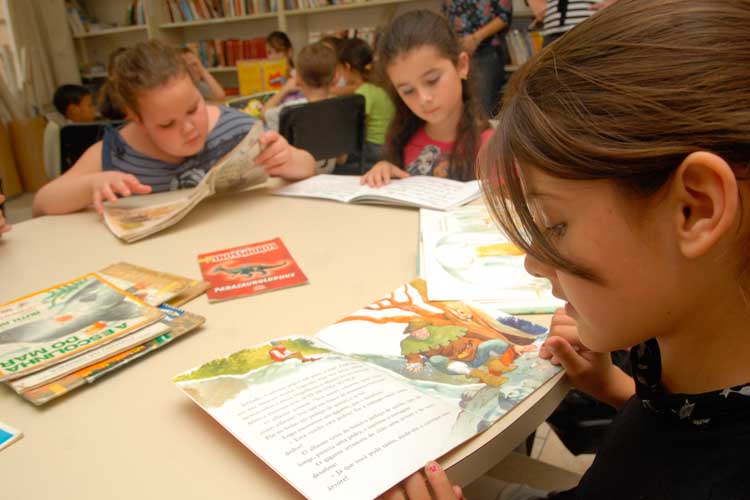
179,323
464,255
249,269
49,326
8,435
152,287
395,384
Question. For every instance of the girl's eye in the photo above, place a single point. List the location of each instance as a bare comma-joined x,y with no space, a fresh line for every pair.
556,231
191,111
407,91
167,125
433,80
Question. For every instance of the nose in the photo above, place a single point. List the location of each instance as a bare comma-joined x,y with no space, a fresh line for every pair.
187,127
425,96
537,268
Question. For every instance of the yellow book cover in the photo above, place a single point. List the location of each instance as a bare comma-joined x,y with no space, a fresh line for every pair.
250,75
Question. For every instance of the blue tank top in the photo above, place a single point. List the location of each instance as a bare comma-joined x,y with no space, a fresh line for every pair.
229,130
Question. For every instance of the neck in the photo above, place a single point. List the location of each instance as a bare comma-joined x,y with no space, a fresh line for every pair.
445,130
711,349
313,95
355,79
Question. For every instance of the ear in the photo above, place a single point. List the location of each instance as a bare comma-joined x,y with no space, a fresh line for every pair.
463,65
705,189
132,116
297,79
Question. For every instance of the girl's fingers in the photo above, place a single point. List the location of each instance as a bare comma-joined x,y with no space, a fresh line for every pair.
107,192
439,482
398,173
395,493
573,362
98,202
278,160
121,187
416,487
135,185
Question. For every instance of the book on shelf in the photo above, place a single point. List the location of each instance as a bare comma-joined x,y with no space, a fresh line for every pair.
389,387
198,10
464,255
249,269
136,217
71,334
214,53
261,75
415,191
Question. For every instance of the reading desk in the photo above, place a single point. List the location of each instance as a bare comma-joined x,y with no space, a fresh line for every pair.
134,434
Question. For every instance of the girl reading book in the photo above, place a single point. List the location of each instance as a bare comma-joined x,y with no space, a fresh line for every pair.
624,154
171,140
437,128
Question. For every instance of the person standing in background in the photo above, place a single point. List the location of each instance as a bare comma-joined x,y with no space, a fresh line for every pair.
560,16
481,26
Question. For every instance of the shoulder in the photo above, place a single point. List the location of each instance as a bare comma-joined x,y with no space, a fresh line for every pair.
230,118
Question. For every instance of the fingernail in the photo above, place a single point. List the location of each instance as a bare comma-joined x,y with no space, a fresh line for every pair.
433,467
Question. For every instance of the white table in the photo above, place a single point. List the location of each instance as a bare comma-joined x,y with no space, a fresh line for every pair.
134,434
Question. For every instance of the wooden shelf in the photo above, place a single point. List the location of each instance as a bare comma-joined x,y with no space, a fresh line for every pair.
346,6
222,69
112,31
220,20
94,74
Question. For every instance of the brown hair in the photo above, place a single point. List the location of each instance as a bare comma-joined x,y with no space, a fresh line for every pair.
316,64
625,97
410,31
145,66
281,43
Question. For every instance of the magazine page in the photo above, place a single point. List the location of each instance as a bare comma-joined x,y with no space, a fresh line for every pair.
463,254
237,170
407,381
179,323
152,287
46,327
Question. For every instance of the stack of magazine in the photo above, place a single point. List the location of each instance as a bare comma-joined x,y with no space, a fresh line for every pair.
69,335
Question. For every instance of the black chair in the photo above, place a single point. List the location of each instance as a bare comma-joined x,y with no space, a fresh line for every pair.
76,138
327,128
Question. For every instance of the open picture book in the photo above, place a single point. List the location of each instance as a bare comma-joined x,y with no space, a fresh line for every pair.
136,217
351,411
416,191
464,255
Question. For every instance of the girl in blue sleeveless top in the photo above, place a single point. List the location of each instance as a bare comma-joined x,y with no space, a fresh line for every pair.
172,139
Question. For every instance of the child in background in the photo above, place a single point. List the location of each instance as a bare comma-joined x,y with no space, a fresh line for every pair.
620,165
209,88
278,46
438,128
172,140
74,104
316,69
107,106
356,60
4,226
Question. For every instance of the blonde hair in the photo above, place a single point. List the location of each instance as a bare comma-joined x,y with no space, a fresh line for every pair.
140,68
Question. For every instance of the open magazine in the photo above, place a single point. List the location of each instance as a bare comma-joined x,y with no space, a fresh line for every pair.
464,255
136,217
368,400
416,191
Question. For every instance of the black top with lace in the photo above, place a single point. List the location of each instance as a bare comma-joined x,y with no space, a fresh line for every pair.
672,446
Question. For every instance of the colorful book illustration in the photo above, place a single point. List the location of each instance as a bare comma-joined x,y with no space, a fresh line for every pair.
136,217
152,287
178,323
463,254
415,191
50,326
261,75
387,388
249,269
8,435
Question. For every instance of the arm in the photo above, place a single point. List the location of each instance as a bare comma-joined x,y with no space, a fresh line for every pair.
381,173
588,371
499,23
275,100
217,91
538,7
84,184
4,226
283,160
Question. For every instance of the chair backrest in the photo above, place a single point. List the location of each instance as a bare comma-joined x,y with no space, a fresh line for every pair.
76,138
327,128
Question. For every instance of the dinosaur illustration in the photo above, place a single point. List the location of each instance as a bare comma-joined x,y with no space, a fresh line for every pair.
248,271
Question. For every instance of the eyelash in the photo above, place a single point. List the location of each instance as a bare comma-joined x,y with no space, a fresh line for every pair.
556,231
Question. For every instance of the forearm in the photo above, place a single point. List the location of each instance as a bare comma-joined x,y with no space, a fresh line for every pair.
63,195
489,29
216,90
304,164
616,388
538,7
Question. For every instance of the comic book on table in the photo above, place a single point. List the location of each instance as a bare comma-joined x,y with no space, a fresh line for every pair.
249,269
136,217
415,191
387,388
463,254
63,321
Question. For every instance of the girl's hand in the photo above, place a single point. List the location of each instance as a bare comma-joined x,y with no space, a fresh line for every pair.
381,173
469,43
4,226
589,371
282,160
104,185
416,487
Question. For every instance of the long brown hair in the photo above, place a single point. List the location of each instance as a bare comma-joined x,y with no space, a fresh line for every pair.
145,66
624,96
409,31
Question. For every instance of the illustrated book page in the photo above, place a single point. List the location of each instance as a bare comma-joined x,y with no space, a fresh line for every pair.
249,269
415,191
464,255
47,327
136,217
385,389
